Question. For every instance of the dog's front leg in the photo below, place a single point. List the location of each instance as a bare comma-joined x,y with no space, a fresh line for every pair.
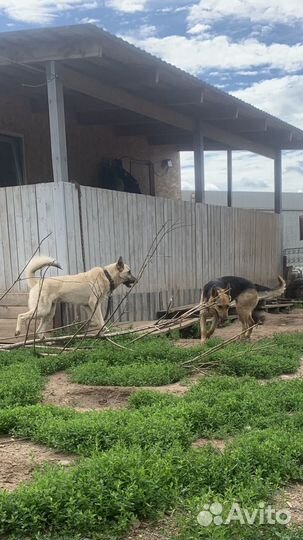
213,327
203,327
97,317
101,321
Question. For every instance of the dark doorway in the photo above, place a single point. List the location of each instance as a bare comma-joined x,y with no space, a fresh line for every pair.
11,161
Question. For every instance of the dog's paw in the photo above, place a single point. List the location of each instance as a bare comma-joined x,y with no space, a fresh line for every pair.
17,333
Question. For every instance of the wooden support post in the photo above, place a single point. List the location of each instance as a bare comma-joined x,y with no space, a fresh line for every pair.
59,160
57,123
278,181
229,178
199,165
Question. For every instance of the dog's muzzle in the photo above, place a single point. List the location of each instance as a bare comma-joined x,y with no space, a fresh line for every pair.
130,282
221,317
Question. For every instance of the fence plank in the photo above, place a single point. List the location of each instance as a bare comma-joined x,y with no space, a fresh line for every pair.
47,224
13,239
7,271
30,221
212,240
72,239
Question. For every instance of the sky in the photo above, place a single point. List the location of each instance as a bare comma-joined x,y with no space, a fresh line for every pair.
252,49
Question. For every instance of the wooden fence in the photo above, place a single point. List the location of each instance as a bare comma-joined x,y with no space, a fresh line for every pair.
92,227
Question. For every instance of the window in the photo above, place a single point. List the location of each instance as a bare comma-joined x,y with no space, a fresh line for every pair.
11,161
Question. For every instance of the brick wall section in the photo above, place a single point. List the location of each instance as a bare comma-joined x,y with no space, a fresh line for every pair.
17,118
86,146
169,184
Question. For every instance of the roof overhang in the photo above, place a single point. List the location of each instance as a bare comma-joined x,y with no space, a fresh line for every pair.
137,93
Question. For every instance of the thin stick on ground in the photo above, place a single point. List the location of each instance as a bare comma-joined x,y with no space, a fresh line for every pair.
61,339
46,332
209,352
118,344
256,347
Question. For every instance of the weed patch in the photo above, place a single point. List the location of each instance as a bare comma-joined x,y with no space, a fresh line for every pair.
264,359
153,374
20,385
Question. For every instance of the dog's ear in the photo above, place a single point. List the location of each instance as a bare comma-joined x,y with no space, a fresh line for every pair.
120,264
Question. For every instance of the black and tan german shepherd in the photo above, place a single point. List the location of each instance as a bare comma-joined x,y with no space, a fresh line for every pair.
217,296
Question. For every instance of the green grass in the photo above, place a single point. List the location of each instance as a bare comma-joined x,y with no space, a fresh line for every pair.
20,384
137,464
109,491
159,361
266,358
147,350
153,374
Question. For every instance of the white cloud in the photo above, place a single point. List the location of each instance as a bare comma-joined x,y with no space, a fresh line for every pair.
146,30
46,11
220,52
250,172
282,97
199,29
89,20
127,6
40,11
256,10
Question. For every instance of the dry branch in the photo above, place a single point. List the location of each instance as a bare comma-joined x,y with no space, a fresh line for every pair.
193,361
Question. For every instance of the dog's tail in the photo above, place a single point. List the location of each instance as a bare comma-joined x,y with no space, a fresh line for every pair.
272,293
36,264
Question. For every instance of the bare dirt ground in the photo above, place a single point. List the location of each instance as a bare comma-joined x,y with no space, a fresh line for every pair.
20,458
275,323
297,375
291,498
60,391
218,444
165,529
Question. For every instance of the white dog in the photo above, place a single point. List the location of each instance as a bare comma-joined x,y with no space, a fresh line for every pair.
87,289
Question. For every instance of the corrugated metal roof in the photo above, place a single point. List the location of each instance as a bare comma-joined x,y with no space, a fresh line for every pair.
126,53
